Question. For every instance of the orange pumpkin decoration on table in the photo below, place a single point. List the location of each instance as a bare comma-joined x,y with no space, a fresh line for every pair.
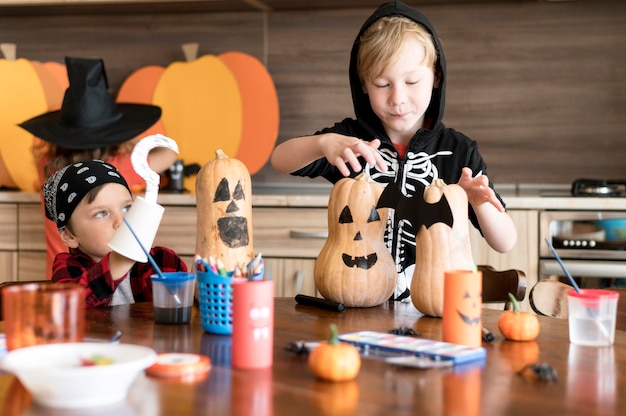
29,88
440,247
224,211
517,325
226,102
354,266
333,360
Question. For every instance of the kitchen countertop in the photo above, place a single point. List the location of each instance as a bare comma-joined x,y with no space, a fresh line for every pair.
541,197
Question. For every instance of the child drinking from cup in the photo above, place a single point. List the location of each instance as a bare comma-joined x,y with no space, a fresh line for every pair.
88,201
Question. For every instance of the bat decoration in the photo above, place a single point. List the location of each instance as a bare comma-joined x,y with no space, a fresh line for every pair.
415,209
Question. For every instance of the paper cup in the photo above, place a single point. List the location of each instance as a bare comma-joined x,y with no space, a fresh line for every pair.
144,217
462,307
253,324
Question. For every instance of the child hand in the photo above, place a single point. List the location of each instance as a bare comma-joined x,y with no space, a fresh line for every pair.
478,190
343,151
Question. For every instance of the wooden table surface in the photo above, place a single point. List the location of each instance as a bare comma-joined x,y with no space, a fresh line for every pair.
590,380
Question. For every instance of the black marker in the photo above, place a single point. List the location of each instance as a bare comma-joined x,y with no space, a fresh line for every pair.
487,334
320,303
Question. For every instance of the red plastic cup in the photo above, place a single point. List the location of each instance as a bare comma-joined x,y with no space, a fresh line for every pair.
253,324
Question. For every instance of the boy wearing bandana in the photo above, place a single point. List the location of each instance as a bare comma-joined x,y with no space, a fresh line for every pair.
88,201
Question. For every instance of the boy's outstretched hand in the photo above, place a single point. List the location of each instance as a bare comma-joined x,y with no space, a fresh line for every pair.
343,151
478,190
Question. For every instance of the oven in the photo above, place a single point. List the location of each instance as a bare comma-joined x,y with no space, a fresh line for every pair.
592,245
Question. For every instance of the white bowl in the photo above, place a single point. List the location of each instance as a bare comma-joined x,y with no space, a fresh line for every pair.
56,377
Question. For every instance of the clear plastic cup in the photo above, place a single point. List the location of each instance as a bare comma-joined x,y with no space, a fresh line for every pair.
591,315
172,297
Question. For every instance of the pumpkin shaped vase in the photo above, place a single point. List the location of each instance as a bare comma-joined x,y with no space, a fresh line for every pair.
224,211
354,266
439,248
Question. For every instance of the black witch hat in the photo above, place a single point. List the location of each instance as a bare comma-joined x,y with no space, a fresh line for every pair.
89,117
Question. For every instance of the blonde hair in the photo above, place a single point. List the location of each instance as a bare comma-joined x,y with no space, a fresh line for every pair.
380,45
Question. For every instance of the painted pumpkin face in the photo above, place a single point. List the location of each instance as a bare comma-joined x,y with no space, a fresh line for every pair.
355,267
232,228
224,204
469,307
365,261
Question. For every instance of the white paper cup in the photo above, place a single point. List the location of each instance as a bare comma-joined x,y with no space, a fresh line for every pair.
145,218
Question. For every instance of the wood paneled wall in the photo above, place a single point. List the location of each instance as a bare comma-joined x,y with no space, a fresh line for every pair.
540,85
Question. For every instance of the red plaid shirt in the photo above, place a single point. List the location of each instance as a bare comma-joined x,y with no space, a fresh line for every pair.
96,277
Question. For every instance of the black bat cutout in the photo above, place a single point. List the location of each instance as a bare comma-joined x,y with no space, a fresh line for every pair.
360,262
415,209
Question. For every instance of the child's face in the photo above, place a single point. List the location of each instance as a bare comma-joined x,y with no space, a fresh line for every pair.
93,224
401,94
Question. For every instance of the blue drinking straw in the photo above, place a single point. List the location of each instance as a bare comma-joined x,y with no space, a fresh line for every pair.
571,279
567,273
150,259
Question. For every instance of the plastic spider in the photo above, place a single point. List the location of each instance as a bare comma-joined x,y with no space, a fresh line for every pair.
404,330
542,371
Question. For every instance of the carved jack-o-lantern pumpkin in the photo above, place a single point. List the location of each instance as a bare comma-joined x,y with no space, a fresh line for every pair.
355,267
439,248
224,218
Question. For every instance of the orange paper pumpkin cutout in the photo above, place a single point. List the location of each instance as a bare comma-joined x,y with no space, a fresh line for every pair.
226,102
28,90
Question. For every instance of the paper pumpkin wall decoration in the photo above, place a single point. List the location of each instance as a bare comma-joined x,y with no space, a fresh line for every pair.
224,211
226,102
28,88
354,266
440,247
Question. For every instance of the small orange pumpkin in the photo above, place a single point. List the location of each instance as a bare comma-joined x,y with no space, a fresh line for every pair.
518,325
440,248
355,267
333,360
224,211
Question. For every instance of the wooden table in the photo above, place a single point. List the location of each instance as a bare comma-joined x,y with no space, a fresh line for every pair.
590,380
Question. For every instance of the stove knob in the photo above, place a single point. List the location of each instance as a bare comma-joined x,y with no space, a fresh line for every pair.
592,243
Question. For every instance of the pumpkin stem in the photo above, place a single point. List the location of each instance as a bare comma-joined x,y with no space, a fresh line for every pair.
219,154
514,302
363,176
334,335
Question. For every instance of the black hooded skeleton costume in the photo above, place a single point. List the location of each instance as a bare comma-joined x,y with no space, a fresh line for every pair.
434,151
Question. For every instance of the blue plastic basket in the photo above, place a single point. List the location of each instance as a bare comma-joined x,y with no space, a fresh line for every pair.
215,295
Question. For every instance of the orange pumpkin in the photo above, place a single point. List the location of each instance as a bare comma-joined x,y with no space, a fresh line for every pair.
439,248
518,325
28,89
226,102
333,360
354,266
224,211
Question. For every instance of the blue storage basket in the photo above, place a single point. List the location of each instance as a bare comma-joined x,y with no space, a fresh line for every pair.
215,295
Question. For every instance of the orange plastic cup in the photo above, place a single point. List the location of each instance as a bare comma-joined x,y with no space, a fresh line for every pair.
462,307
253,324
43,313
